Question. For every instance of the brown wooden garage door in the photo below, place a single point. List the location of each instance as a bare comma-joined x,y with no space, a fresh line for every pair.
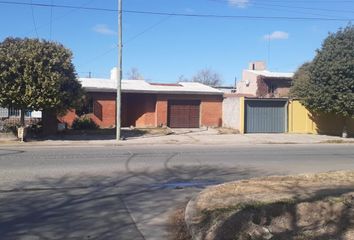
183,114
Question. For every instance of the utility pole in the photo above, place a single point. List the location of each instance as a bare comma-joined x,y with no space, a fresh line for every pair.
119,72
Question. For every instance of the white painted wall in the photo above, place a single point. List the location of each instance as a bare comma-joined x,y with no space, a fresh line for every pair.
36,114
248,84
231,112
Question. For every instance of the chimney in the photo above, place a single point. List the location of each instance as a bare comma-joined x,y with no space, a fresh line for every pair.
114,73
257,66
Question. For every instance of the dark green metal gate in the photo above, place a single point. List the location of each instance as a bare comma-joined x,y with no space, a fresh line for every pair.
265,115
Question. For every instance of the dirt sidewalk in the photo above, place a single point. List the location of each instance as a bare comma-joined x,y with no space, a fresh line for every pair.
186,137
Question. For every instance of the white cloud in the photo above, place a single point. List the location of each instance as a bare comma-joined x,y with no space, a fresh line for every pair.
189,10
103,29
277,35
239,3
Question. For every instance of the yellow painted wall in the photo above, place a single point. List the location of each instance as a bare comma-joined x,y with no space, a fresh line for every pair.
242,115
303,121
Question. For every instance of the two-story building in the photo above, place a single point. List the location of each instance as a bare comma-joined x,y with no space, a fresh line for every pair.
257,81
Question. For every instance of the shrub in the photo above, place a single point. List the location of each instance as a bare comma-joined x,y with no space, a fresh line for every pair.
84,123
35,129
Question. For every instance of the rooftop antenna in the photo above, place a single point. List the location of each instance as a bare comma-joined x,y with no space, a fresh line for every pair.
268,50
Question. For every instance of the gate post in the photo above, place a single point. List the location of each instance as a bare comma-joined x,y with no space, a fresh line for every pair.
242,115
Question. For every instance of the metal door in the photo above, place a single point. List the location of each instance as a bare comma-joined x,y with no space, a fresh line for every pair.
184,114
265,116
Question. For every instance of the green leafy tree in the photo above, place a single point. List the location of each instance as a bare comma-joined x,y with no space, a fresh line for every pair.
326,85
37,75
301,81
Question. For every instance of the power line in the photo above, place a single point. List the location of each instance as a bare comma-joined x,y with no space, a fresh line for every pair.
51,21
59,6
129,40
215,16
249,17
306,8
60,17
101,55
147,29
293,11
33,19
308,1
281,9
276,9
256,3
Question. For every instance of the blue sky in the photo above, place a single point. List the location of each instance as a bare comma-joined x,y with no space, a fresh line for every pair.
164,48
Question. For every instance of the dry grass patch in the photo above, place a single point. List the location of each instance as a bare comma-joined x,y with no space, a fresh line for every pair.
157,131
177,225
227,131
272,189
311,207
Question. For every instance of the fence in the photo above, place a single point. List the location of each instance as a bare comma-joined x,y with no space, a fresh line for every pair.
11,118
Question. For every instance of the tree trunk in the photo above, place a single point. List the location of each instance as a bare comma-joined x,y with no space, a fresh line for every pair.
50,122
21,131
345,128
22,119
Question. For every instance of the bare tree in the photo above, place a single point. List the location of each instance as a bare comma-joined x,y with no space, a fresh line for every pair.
207,77
182,78
134,74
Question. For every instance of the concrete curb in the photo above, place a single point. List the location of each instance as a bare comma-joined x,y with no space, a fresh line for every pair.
132,144
190,139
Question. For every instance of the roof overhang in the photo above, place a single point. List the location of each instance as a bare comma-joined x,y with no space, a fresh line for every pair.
110,90
266,99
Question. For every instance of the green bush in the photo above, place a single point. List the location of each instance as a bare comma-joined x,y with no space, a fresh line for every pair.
84,123
35,129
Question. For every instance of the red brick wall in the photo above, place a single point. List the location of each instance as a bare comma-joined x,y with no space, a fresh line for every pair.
104,109
68,118
211,112
161,111
280,86
211,108
140,110
147,110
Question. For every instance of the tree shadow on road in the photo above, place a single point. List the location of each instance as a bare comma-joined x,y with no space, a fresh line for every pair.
119,206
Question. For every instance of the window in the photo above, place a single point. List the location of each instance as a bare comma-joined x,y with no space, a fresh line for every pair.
86,108
272,88
90,108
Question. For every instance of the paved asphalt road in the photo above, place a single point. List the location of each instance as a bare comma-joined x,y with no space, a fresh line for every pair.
105,192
